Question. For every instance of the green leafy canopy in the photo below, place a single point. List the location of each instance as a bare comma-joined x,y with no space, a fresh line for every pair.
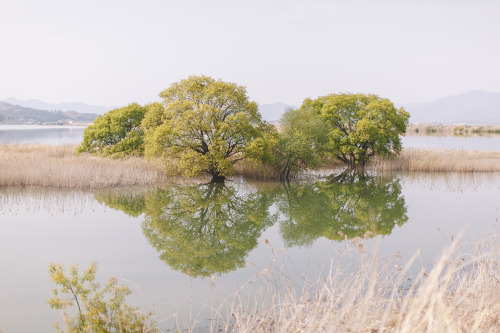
360,126
204,126
116,133
99,308
300,143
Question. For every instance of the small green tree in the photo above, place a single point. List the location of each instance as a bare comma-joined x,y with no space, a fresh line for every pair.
205,126
360,126
99,309
299,144
116,133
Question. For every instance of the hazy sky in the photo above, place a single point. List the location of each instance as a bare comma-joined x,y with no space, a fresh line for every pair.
111,53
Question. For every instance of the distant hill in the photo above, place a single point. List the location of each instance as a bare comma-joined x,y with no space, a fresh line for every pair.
273,112
73,106
16,114
474,107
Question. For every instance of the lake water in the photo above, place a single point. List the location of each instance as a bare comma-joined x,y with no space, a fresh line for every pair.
47,135
57,135
171,241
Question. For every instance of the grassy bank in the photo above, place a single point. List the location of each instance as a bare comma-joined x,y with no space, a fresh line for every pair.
59,167
365,293
459,294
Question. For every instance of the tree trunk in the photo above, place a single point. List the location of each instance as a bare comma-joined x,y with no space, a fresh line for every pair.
217,177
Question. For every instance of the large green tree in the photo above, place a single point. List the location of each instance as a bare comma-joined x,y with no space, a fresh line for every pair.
360,126
204,126
116,133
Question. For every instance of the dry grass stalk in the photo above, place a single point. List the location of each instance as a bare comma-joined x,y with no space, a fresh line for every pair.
459,294
256,171
59,167
436,160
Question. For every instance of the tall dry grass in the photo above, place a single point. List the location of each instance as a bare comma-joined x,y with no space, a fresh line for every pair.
438,160
59,167
459,294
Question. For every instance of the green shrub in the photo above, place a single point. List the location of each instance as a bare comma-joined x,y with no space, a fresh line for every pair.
116,133
99,309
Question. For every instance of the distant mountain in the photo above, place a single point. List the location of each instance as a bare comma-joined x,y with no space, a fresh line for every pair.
474,107
273,112
16,114
74,106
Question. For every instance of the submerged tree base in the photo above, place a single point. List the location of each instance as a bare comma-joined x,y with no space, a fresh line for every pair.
218,179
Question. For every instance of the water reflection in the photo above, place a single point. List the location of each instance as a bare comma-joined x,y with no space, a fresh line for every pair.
132,204
348,205
210,228
200,230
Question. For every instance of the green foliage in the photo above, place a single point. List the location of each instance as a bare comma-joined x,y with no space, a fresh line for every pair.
299,145
360,126
99,309
116,133
350,205
205,126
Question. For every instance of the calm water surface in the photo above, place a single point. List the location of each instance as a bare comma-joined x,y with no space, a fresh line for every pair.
171,241
47,135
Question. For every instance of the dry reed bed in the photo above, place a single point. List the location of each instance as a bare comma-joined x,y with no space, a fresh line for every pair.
438,160
459,294
59,167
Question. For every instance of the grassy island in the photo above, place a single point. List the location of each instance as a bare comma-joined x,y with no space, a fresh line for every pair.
60,167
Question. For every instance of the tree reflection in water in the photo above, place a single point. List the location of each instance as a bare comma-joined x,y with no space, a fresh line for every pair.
204,229
348,205
210,228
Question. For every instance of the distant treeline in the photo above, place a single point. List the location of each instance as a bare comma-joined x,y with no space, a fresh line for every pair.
18,115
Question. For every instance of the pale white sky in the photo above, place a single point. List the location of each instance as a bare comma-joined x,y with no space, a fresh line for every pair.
113,52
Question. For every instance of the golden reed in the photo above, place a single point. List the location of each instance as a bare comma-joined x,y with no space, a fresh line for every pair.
59,167
439,160
458,294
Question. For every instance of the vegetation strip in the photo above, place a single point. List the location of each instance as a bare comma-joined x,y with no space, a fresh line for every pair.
59,167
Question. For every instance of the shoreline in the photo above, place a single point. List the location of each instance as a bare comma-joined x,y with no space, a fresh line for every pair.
452,130
32,165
